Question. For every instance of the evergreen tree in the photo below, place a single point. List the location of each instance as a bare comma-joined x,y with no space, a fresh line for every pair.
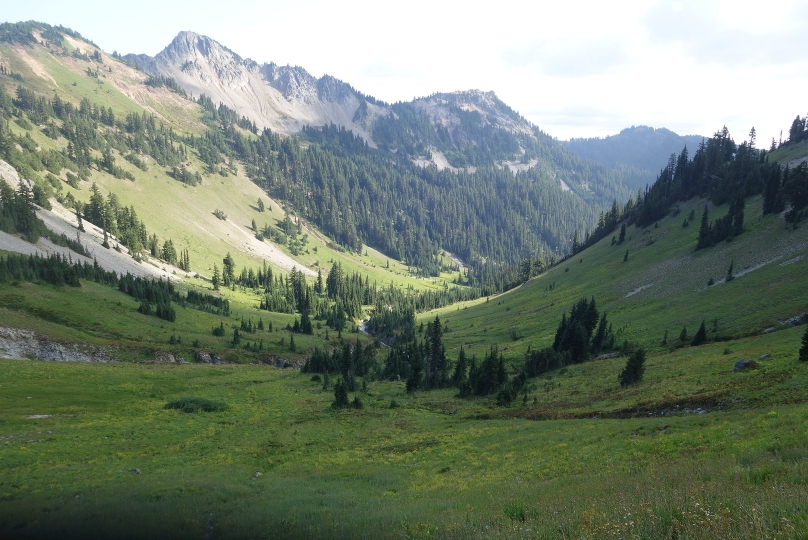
215,280
730,277
622,234
318,287
416,375
340,395
236,337
460,376
78,216
625,257
305,324
804,348
599,340
701,336
704,230
635,367
683,334
260,204
435,368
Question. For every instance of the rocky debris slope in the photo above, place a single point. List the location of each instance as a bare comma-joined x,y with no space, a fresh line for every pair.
63,221
282,98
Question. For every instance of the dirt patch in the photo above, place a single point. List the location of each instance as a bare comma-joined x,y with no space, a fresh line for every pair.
792,261
38,69
638,289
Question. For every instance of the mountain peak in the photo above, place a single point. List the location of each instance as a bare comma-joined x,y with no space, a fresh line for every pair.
189,46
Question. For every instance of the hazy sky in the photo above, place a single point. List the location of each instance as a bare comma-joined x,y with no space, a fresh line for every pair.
575,68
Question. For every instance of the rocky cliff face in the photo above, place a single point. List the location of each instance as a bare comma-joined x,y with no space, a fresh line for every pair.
282,98
285,98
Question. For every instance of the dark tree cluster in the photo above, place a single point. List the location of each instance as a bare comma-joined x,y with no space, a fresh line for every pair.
724,228
55,269
161,81
635,368
349,361
422,363
155,296
583,334
789,188
798,131
18,214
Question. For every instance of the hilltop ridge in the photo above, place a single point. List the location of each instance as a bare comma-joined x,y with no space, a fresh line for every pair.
281,98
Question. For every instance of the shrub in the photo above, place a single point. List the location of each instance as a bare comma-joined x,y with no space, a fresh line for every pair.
516,511
196,404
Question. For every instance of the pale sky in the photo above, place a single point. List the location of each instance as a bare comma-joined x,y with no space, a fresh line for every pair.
574,68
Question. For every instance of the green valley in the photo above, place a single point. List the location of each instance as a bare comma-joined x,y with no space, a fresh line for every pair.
432,320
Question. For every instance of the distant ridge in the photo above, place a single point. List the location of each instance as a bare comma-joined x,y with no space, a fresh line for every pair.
641,151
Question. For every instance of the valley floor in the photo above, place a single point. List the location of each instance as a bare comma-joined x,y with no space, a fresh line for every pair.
88,450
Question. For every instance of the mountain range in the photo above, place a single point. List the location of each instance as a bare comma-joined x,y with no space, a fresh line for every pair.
450,130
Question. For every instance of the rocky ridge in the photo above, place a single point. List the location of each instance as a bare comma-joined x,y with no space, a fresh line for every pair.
287,98
281,98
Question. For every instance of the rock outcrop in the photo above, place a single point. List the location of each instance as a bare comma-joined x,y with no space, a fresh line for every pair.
20,344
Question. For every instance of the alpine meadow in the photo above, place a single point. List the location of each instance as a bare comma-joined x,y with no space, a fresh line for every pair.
238,300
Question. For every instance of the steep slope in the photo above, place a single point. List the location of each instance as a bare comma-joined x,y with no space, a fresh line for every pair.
663,286
281,98
56,66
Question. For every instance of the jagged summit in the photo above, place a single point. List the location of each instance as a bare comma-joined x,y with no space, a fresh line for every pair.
287,98
282,98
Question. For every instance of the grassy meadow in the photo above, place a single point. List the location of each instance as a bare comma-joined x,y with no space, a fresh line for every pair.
280,463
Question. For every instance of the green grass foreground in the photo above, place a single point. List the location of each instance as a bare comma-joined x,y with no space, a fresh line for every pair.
71,436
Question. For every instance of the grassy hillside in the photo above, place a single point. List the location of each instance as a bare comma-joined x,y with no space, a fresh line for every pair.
790,152
168,207
662,286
